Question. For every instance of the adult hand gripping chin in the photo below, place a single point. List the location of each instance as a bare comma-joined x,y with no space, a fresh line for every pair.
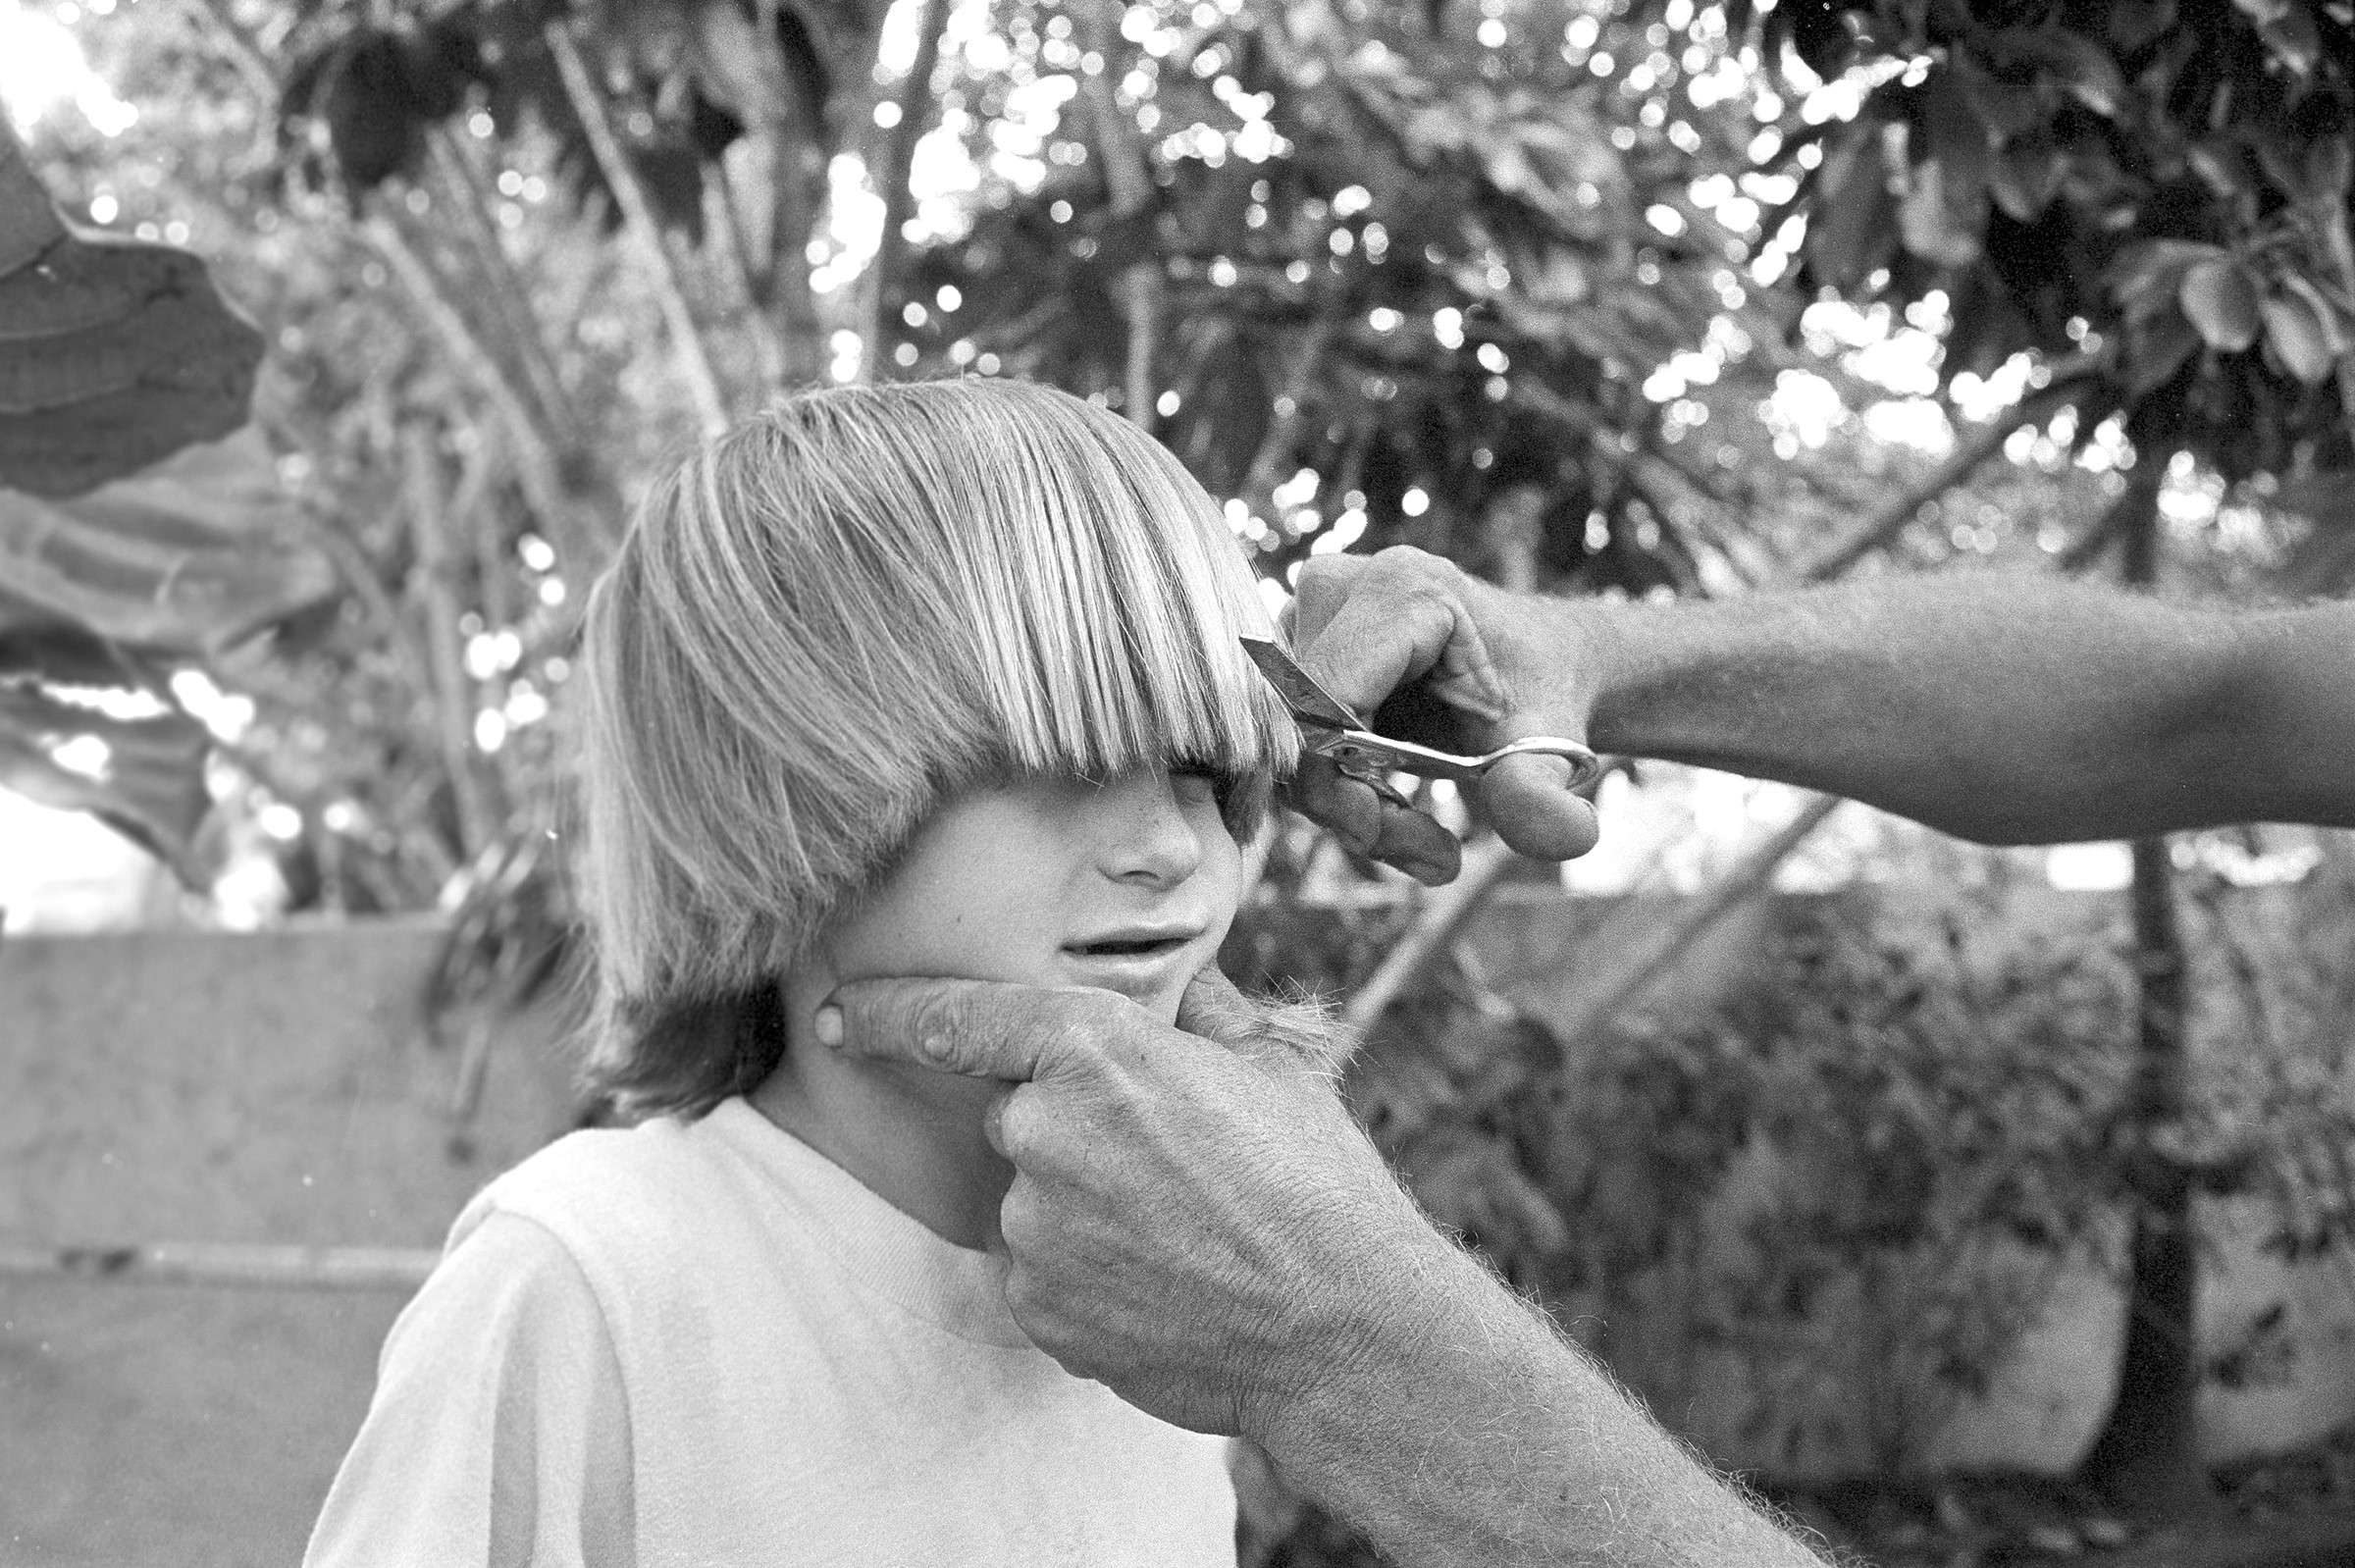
1446,660
1194,1220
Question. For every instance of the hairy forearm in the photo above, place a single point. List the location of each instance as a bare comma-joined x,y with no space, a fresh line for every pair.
2007,709
1462,1429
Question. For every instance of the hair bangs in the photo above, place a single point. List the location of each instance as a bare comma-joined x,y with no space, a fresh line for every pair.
1108,597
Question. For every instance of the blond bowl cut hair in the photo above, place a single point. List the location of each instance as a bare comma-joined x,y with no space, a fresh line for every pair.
836,615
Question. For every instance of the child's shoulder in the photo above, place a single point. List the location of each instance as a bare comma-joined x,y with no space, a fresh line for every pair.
610,1188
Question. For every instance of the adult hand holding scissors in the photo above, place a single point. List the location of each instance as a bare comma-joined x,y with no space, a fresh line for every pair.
1454,663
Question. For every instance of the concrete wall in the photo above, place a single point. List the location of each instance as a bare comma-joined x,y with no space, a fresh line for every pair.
199,1087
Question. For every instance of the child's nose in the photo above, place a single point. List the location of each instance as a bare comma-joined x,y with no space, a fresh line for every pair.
1147,836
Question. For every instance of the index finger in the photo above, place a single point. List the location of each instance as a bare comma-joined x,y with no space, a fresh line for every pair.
979,1028
1395,835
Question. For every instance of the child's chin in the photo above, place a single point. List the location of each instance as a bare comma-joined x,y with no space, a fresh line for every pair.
1161,1006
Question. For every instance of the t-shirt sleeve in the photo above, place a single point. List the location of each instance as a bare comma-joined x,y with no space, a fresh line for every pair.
499,1434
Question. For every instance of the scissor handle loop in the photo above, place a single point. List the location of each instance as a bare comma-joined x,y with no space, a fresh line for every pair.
1366,755
1584,764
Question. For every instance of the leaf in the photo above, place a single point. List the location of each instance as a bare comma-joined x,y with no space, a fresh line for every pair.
2135,23
2156,352
118,353
2282,157
2004,108
1963,143
2329,167
1849,229
376,90
29,222
2220,299
191,557
2146,277
2322,495
1930,225
2291,39
1820,36
144,778
2087,69
2296,337
744,74
2224,168
2338,331
2026,177
62,655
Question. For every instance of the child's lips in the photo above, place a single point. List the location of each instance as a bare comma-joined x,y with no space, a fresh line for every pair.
1136,964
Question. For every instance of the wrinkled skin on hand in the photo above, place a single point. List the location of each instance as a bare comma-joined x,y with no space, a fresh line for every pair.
1194,1220
1446,660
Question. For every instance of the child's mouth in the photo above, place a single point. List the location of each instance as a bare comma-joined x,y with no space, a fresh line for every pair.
1141,965
1141,947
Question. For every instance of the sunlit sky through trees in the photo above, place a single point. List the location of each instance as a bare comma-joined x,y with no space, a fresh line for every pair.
1013,73
43,73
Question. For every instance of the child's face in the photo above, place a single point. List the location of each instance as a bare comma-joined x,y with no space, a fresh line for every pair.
1123,886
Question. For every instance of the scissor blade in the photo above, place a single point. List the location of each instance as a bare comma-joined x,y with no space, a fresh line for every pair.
1310,703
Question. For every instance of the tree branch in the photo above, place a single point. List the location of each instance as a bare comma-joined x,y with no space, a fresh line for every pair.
913,100
467,190
1282,435
356,569
1443,914
1701,914
725,225
1890,519
452,692
640,223
243,53
1128,177
538,473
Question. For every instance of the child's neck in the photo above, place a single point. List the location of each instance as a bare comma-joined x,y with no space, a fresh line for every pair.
910,1135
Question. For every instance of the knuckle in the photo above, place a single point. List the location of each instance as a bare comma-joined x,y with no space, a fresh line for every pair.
950,1026
934,1028
1431,595
1410,567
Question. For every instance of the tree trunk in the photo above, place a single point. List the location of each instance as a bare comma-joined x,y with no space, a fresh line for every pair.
893,160
452,691
639,223
2146,1457
1128,177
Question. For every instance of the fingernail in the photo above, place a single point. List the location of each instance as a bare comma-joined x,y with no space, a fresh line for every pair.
827,1026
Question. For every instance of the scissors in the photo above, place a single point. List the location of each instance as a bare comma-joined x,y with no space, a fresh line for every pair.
1330,729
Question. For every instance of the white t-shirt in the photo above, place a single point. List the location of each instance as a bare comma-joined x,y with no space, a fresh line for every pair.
705,1343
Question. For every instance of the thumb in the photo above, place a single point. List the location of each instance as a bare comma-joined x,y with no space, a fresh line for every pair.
1529,801
1215,1009
1292,1037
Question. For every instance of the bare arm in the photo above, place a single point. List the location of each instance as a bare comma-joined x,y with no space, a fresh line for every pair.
2006,708
1464,1430
2009,709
